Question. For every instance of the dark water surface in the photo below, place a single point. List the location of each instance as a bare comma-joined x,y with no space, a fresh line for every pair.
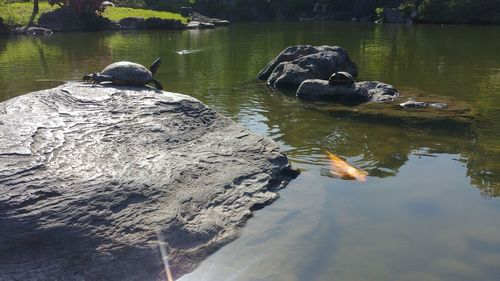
429,209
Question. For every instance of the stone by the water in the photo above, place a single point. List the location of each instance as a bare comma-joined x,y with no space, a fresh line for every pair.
296,64
90,174
31,31
200,25
207,22
352,94
411,103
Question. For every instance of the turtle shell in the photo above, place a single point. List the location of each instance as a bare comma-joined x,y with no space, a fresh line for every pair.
341,77
128,73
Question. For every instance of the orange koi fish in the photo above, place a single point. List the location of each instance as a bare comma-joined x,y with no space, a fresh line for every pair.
344,170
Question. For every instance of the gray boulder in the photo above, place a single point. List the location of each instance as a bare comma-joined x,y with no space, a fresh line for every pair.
200,25
132,23
31,31
157,23
90,174
351,94
207,20
411,103
298,63
67,19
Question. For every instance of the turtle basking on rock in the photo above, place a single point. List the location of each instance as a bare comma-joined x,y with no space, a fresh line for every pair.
127,73
341,78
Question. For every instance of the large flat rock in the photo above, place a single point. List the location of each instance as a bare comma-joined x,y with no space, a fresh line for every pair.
90,174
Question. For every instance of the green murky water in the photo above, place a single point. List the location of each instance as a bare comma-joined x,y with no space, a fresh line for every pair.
429,209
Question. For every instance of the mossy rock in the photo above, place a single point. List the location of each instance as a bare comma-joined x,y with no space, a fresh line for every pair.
456,112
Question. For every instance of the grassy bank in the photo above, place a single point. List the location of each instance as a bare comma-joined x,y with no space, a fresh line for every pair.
118,13
20,13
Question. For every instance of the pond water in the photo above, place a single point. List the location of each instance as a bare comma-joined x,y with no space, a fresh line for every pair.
429,208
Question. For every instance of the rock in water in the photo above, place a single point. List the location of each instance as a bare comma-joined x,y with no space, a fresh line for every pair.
88,175
351,94
411,103
298,63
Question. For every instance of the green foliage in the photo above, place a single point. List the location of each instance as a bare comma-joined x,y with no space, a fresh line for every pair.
379,12
80,6
406,8
459,11
213,7
20,13
433,11
118,13
167,5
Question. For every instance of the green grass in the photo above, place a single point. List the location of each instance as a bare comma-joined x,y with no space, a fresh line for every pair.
118,13
20,13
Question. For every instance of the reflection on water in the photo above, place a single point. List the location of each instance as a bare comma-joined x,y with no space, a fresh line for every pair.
188,51
420,225
422,213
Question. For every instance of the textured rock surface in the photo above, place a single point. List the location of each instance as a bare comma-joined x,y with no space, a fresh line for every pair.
31,30
157,23
359,92
298,63
88,175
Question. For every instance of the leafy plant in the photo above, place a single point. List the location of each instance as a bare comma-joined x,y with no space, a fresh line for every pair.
80,6
379,12
433,11
406,8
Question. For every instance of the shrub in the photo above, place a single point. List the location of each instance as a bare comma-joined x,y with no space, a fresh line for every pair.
379,12
434,11
80,6
169,5
406,8
459,11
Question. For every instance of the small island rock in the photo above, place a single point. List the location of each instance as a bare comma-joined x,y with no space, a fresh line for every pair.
298,63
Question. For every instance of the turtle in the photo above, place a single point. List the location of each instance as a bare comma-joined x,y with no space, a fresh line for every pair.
341,78
128,73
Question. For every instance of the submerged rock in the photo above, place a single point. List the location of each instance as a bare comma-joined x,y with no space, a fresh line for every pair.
298,63
90,174
411,103
445,111
356,93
